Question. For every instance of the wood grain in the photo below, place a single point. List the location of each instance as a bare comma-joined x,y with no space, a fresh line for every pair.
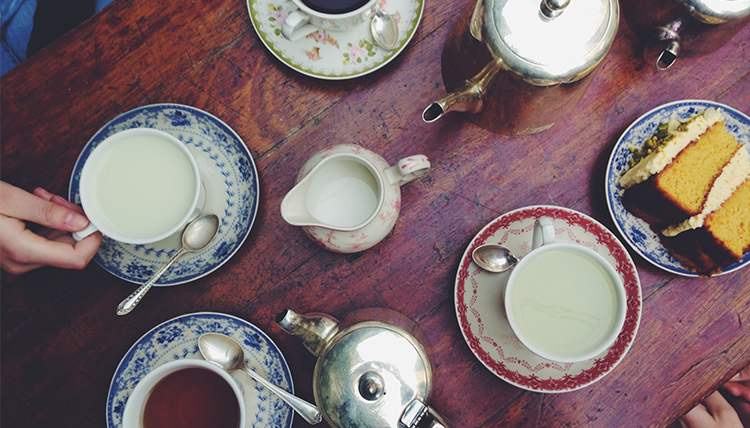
61,339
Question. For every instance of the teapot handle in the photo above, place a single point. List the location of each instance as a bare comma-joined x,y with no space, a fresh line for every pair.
407,169
420,415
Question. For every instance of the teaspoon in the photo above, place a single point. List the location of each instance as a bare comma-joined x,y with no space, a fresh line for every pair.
384,29
493,258
197,235
226,353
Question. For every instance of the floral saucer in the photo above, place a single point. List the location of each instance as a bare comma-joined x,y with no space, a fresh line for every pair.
177,339
228,175
481,314
637,233
332,55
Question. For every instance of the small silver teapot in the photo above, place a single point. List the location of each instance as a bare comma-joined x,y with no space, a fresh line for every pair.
685,28
519,66
371,372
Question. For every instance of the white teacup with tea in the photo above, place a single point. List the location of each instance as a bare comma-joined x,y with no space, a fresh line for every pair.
182,391
139,186
325,15
564,301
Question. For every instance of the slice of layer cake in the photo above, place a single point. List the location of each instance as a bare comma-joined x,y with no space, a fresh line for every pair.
693,187
671,183
721,241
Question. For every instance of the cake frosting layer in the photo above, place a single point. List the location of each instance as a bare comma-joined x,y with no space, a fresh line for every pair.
679,138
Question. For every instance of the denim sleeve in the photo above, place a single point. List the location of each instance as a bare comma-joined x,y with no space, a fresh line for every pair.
17,21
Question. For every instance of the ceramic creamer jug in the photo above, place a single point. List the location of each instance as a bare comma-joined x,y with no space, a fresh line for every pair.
520,66
684,28
347,198
372,371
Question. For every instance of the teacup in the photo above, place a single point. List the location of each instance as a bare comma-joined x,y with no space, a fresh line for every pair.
341,15
139,186
186,389
564,301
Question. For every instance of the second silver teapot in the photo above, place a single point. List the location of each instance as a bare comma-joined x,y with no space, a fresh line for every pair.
684,28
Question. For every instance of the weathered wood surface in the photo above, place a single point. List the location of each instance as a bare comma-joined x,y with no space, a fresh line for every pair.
61,339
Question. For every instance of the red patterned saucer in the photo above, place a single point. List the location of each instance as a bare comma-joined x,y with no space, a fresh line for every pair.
481,313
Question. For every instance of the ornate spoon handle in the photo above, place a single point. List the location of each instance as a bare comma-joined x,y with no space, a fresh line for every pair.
131,301
309,412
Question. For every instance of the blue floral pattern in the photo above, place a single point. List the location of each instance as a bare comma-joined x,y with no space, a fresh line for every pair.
178,339
230,180
637,232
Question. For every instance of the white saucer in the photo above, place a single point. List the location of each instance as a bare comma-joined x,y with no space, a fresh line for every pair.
480,309
178,339
332,55
228,174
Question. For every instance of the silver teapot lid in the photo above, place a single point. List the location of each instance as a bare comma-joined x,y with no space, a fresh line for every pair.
717,11
368,373
547,42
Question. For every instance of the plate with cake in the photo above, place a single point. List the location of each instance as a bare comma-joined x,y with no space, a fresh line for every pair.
678,187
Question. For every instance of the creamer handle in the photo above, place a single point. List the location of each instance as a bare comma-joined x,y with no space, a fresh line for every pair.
407,169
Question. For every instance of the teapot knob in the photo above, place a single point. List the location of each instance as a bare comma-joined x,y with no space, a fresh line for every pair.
553,8
371,386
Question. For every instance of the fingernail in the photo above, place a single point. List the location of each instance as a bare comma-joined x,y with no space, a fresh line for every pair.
76,221
43,191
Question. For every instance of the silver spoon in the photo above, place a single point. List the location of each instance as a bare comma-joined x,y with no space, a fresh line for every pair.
493,258
197,235
226,353
384,29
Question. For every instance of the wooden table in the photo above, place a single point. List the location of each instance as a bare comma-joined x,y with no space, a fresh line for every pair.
61,338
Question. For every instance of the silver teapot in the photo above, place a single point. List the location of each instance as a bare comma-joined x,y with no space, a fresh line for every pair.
371,372
520,66
684,28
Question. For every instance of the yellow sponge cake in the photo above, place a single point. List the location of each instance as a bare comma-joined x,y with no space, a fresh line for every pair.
691,182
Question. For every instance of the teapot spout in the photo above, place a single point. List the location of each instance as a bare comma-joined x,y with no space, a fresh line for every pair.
315,330
663,46
469,98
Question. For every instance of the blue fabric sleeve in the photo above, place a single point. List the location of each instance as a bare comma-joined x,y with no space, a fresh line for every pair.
17,21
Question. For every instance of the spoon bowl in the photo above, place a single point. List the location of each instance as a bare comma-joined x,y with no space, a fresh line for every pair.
493,258
226,353
384,29
197,235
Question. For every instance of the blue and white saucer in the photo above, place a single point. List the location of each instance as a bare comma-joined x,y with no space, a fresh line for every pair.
636,231
178,339
229,177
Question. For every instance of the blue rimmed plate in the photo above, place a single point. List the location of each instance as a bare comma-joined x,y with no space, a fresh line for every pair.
178,339
228,174
637,232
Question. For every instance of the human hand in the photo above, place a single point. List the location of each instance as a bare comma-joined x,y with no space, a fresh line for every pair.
713,412
739,385
738,388
22,250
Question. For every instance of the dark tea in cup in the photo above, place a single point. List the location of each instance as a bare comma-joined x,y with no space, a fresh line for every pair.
192,397
335,7
185,393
